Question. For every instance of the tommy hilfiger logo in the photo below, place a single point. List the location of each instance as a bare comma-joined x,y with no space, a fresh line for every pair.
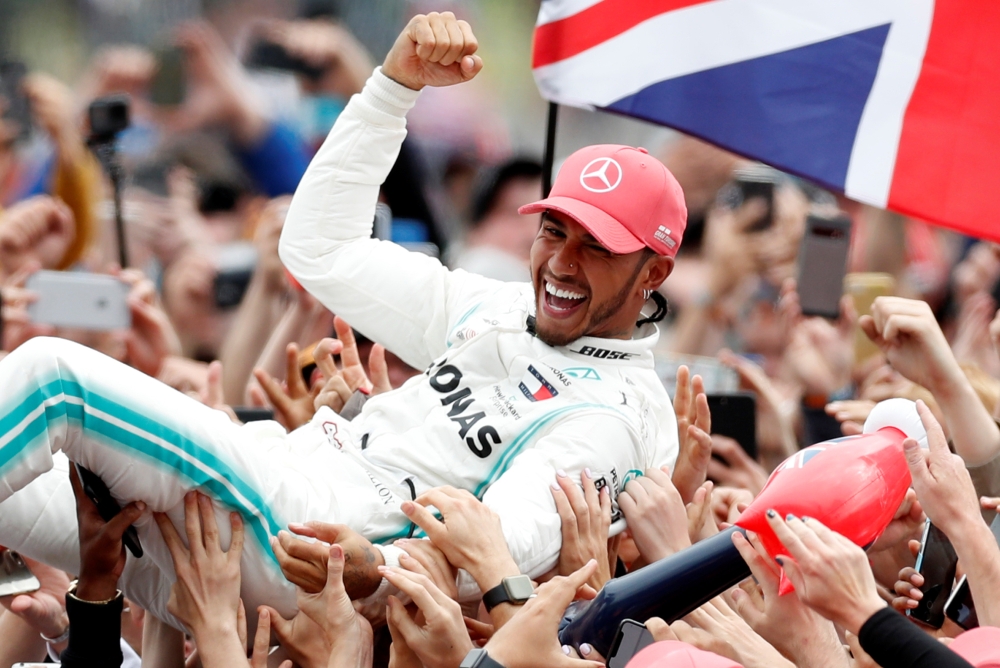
535,387
663,234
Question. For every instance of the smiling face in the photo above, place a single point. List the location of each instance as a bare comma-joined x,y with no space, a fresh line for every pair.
582,289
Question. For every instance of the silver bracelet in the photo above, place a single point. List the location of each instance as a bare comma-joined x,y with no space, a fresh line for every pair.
62,637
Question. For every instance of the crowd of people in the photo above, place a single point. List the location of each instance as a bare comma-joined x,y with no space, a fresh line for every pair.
327,340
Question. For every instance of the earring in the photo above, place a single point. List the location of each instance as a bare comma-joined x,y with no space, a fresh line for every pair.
570,265
646,294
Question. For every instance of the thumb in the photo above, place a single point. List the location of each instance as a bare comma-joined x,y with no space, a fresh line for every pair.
471,66
335,571
867,324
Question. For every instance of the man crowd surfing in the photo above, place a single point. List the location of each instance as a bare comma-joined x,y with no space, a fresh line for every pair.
452,455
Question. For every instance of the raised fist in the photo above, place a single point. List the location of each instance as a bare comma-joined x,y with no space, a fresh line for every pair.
41,228
433,50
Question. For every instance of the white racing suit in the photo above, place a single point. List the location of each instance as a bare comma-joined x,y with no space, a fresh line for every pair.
497,411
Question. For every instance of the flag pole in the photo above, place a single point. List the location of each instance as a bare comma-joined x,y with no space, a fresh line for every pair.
550,149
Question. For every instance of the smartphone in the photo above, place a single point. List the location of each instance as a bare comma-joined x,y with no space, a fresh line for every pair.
754,182
107,507
936,562
865,288
235,264
253,413
735,415
960,607
823,264
632,638
266,55
35,665
17,109
15,576
79,300
169,85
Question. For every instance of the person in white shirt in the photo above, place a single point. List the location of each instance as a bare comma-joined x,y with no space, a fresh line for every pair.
522,380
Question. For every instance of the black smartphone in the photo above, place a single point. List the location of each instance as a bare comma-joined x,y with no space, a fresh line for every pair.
632,638
823,264
107,507
253,413
960,607
267,55
735,415
755,182
169,85
235,264
16,108
936,562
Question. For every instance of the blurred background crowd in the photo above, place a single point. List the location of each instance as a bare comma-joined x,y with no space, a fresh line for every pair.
228,100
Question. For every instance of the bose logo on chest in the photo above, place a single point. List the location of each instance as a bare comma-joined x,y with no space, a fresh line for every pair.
603,353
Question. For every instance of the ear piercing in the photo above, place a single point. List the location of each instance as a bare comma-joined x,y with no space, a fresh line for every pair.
646,294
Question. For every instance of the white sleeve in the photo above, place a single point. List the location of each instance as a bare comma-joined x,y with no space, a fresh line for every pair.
522,496
405,301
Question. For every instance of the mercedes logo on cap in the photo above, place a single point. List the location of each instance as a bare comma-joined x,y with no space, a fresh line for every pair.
601,175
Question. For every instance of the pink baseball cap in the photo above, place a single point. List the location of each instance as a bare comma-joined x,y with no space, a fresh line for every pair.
676,654
623,196
980,647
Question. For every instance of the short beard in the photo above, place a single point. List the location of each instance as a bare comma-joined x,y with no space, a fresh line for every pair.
602,312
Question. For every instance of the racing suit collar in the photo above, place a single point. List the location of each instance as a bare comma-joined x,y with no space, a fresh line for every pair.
637,351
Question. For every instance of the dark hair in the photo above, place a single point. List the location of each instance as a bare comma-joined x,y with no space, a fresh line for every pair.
491,181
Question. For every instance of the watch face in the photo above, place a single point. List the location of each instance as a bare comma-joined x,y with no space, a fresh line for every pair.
473,658
518,588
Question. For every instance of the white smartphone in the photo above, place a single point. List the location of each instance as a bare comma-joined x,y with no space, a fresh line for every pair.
35,665
15,576
79,300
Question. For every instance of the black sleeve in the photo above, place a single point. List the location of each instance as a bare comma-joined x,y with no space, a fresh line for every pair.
895,642
95,632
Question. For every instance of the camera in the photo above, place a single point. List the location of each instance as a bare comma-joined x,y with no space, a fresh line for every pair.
108,116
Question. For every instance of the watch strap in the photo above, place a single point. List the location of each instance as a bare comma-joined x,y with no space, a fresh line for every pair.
501,594
479,658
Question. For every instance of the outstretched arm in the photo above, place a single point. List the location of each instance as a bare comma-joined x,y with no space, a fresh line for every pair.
402,300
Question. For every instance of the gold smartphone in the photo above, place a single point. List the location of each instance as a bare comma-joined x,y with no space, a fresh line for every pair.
864,288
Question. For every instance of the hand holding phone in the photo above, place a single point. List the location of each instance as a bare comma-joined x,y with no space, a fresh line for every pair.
95,490
937,562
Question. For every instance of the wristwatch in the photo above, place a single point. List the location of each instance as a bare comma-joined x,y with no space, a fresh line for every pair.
516,589
478,658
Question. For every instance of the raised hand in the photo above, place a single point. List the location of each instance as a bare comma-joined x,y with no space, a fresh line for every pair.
830,573
470,534
102,553
694,423
294,403
656,516
206,595
783,621
586,518
39,229
45,609
433,50
438,635
530,639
